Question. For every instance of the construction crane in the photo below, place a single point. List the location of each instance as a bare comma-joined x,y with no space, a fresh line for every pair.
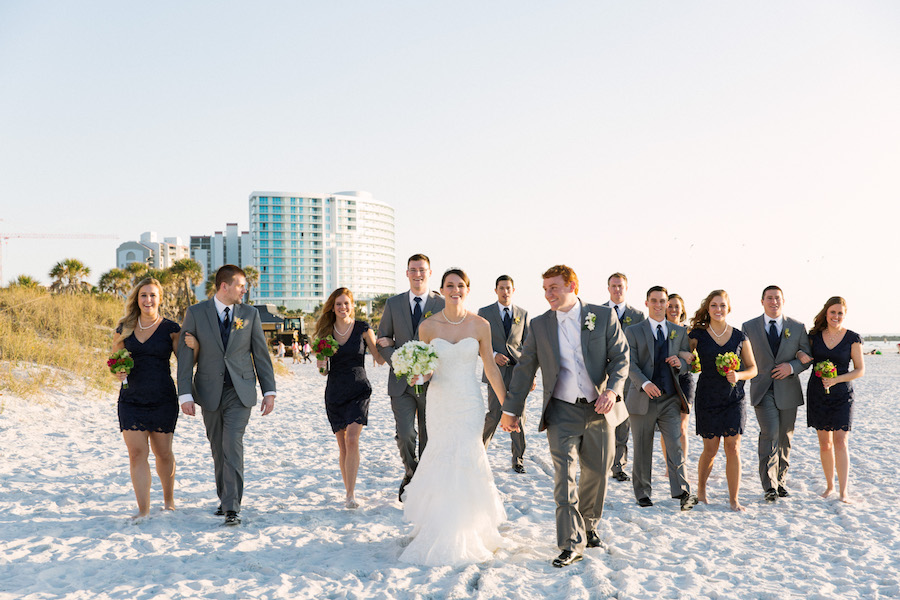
48,236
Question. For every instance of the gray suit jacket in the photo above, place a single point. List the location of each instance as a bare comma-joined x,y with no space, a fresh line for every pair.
642,347
247,358
396,323
631,317
510,346
788,392
605,353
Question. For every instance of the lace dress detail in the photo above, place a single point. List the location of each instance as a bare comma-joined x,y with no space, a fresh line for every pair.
452,500
832,411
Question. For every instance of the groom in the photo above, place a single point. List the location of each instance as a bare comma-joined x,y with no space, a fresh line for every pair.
233,355
583,357
400,324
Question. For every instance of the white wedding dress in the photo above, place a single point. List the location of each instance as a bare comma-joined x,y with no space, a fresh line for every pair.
452,500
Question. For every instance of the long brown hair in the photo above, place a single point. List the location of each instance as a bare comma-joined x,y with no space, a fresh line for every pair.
683,316
820,323
700,320
326,321
132,310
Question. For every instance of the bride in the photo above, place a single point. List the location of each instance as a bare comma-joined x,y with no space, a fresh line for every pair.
452,501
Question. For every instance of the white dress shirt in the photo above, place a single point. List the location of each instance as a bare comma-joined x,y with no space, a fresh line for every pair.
412,302
573,381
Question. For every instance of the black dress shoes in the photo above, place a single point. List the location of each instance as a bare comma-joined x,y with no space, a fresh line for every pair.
406,480
219,512
566,558
593,540
771,495
518,468
782,493
232,518
645,502
688,501
621,476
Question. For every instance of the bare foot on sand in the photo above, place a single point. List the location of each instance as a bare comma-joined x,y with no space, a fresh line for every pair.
827,492
736,506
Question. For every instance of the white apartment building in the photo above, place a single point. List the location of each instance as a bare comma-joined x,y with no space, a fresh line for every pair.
306,245
152,252
231,247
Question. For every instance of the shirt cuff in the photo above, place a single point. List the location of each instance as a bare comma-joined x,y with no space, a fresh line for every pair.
268,394
644,386
185,398
508,413
792,368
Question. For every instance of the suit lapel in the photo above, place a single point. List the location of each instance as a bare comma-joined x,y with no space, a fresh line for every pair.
765,335
585,332
213,316
651,341
552,332
407,313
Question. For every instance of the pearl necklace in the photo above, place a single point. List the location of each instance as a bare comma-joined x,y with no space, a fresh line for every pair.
718,335
148,326
338,331
465,314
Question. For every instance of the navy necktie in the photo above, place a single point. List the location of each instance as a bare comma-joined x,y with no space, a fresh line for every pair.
225,327
774,339
417,314
659,376
618,313
507,321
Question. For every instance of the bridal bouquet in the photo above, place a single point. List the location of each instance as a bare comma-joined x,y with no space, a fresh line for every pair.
121,362
726,363
412,360
325,348
695,363
825,370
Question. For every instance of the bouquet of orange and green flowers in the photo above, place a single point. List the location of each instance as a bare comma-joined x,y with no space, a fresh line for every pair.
325,348
726,363
695,363
121,362
825,370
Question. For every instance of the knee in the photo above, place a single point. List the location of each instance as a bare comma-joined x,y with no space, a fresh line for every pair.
827,447
137,454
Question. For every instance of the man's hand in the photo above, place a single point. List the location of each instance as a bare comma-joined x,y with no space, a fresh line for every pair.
509,423
189,409
652,390
268,404
782,371
605,402
501,359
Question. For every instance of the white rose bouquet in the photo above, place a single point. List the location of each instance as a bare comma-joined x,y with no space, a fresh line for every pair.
413,360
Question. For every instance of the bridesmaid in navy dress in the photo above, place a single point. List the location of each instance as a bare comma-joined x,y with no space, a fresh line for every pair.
148,407
719,406
831,414
675,313
348,390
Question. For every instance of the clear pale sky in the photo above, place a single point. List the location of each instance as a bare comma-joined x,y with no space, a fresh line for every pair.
697,145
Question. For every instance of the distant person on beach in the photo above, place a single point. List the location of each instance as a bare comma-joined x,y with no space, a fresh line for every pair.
775,392
830,400
235,355
280,351
720,409
148,405
307,350
295,352
348,390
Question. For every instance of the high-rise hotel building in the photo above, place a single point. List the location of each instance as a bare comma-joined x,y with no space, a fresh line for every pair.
306,245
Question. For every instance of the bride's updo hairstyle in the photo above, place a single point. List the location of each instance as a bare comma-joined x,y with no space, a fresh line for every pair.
458,272
567,273
700,320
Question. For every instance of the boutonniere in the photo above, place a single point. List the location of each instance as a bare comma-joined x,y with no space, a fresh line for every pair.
517,320
787,333
590,321
238,323
627,320
428,314
672,334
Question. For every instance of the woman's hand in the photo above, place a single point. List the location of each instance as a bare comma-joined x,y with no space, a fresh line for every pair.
803,357
385,342
191,342
732,377
323,366
420,379
121,376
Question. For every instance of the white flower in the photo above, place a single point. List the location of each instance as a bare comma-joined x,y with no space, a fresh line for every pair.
590,321
414,358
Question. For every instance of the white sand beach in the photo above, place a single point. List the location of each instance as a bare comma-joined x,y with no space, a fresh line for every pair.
66,498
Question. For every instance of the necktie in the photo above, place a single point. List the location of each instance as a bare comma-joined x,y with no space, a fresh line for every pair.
417,314
774,340
225,327
507,321
618,313
660,373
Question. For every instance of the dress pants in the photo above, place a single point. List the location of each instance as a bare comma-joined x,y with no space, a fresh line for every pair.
776,430
665,412
225,428
409,410
492,419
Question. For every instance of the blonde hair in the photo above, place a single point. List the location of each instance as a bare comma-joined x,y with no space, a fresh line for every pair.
132,310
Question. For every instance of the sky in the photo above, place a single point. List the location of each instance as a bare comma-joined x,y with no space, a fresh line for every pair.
695,145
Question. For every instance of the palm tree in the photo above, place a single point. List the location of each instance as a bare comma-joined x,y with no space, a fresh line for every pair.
252,274
27,282
137,271
185,272
115,281
211,285
69,275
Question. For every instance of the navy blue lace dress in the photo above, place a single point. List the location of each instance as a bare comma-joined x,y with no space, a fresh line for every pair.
719,408
832,411
348,389
150,402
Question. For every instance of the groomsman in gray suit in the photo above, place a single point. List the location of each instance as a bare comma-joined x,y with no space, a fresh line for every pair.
775,392
233,355
400,324
583,357
656,347
628,315
509,328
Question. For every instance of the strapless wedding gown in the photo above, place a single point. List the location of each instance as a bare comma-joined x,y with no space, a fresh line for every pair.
452,500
